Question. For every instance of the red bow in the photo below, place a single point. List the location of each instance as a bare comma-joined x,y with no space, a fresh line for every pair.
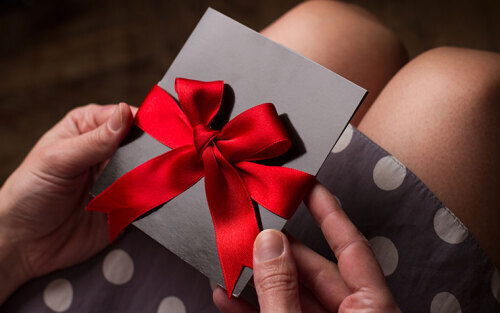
223,157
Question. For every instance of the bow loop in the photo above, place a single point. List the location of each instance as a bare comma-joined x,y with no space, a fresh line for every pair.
266,186
200,101
256,134
162,118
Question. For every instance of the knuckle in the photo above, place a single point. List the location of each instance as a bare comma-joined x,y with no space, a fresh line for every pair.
49,155
82,110
90,117
380,301
278,281
99,137
91,105
82,117
75,113
355,241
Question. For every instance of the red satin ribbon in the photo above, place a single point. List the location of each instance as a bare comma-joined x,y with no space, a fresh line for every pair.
223,157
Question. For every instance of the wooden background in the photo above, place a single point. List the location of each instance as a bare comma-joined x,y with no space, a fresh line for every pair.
58,54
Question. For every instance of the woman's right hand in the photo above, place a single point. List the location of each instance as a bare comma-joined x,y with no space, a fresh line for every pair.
354,284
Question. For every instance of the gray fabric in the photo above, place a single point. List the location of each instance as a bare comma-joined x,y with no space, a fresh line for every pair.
432,264
410,216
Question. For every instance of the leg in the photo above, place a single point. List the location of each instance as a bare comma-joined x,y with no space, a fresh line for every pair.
440,116
344,38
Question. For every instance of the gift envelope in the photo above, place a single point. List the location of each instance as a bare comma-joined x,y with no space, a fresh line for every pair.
313,103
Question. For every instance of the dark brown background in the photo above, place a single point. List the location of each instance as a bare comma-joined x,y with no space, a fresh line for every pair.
58,54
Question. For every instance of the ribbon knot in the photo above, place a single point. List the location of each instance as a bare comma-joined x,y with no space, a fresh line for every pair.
203,136
232,180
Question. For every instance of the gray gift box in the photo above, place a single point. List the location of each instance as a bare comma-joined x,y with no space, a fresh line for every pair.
314,103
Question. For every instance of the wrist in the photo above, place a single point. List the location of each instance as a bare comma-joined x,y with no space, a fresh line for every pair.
11,266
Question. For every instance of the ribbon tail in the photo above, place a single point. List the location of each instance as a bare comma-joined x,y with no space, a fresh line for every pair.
232,213
278,189
148,186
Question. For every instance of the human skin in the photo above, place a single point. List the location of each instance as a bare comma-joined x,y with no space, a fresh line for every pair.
90,118
43,223
447,135
447,132
462,106
437,114
354,284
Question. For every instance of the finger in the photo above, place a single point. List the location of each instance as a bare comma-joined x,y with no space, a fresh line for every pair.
234,305
89,117
275,275
320,276
84,119
93,116
308,301
356,261
105,113
76,154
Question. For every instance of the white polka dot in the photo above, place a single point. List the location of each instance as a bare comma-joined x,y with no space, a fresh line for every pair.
448,227
445,302
344,140
171,305
495,284
389,173
58,295
118,267
213,285
386,253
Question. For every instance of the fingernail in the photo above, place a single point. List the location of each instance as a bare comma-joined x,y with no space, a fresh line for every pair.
116,120
268,245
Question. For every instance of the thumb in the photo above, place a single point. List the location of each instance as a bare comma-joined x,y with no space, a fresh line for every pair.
81,152
275,274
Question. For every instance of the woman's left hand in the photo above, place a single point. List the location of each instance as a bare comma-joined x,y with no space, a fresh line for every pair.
43,223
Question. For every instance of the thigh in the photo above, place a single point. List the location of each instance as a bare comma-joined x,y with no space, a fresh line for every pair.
440,116
344,38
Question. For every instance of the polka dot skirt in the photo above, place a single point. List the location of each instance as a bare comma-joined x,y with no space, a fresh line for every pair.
431,262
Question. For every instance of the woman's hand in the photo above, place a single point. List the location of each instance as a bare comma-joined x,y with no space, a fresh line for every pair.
43,224
354,284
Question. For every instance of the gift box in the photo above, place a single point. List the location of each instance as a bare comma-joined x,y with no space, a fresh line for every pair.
312,104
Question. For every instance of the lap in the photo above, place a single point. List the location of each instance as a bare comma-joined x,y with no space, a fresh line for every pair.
438,115
430,261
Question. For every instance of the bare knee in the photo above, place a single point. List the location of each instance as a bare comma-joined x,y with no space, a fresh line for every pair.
440,89
342,37
338,28
439,115
446,90
345,38
473,76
